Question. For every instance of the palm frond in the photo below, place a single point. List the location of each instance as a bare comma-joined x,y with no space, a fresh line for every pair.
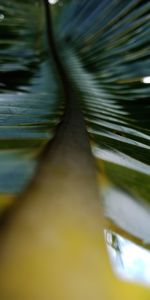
31,98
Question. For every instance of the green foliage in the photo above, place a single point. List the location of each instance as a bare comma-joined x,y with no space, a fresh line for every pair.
106,53
104,47
31,97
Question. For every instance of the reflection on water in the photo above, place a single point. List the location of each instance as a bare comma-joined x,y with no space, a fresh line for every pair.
107,56
30,96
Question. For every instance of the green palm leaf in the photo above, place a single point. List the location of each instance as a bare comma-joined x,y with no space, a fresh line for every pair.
106,53
98,67
31,99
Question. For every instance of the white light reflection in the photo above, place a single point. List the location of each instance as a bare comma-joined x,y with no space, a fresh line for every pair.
146,80
2,17
53,1
133,263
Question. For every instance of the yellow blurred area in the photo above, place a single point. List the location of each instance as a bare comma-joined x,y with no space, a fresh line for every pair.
66,260
6,201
